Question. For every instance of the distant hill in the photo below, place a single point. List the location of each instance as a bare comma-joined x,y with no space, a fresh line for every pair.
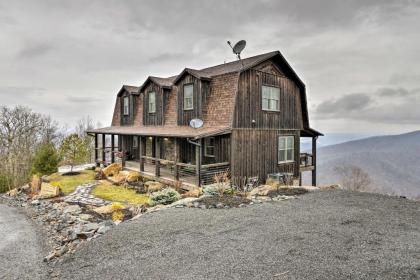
392,162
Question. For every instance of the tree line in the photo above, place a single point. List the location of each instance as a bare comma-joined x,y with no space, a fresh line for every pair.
33,143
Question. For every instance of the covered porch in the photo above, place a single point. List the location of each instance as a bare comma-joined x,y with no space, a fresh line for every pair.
307,161
190,161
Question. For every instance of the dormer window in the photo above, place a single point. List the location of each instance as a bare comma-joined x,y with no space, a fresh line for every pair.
152,102
270,98
126,106
188,97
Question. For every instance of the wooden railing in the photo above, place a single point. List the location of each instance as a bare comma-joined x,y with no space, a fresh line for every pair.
306,160
186,171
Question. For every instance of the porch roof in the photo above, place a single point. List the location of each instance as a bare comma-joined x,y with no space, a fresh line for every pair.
163,131
310,132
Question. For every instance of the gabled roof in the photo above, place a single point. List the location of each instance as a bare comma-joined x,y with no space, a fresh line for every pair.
129,89
196,73
163,82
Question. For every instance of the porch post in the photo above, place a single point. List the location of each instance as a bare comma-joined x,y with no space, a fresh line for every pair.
176,156
96,150
142,149
158,152
314,160
123,144
103,148
112,148
198,162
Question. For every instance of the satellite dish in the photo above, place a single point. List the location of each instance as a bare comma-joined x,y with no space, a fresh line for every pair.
196,123
238,48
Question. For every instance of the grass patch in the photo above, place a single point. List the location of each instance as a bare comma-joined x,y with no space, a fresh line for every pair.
107,191
68,184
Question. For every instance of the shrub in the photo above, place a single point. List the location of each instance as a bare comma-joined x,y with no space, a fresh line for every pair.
165,196
118,216
46,160
4,183
211,190
117,206
218,189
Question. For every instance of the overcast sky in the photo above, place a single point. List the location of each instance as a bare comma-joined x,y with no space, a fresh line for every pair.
359,59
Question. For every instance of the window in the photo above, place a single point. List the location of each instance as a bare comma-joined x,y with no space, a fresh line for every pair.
286,149
152,102
126,108
270,98
209,147
188,97
135,144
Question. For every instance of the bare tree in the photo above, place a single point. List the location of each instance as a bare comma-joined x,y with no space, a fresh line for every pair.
353,177
82,126
21,132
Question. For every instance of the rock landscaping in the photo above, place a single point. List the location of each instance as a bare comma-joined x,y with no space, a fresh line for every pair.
80,216
82,196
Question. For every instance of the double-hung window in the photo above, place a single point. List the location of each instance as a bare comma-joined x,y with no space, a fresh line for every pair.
286,149
188,97
209,147
270,98
126,106
152,102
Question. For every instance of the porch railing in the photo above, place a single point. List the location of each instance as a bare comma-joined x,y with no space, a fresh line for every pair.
306,160
183,171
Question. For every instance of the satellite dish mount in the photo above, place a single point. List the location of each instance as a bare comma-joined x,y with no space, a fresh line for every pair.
238,48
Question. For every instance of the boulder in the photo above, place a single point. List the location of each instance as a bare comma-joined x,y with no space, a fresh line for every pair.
132,176
100,175
118,179
192,193
12,192
72,209
48,191
107,209
35,184
112,169
153,186
262,190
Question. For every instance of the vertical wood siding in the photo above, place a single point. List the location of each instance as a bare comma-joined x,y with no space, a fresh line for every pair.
249,102
128,119
156,118
200,91
255,153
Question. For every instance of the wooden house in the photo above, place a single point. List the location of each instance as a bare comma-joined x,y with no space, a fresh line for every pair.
254,113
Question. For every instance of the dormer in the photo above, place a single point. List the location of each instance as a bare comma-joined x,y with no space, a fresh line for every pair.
193,89
154,93
127,97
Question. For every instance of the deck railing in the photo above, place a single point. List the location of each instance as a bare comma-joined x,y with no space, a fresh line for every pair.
306,160
184,171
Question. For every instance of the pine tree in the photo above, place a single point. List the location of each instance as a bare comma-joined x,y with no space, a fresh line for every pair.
46,160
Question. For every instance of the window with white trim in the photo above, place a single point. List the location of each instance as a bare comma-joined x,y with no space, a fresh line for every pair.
286,149
270,98
135,142
152,102
209,147
188,97
126,105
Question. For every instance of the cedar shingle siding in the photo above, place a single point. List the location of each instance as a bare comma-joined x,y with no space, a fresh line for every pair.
228,99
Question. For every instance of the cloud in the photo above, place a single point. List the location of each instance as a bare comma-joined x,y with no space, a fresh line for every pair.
93,47
373,107
83,99
165,57
347,103
33,50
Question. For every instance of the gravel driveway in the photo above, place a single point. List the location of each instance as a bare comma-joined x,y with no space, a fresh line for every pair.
321,235
21,253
